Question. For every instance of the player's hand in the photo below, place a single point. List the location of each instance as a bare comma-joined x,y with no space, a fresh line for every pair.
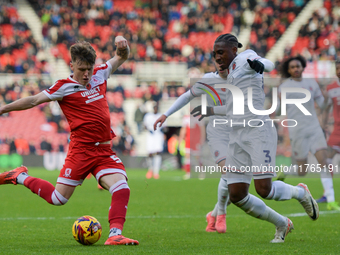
122,46
197,111
159,120
256,65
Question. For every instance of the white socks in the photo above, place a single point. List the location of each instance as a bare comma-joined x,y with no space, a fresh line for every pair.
327,183
222,198
21,178
157,162
257,208
282,191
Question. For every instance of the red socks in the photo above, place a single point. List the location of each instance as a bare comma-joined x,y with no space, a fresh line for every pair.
120,197
40,187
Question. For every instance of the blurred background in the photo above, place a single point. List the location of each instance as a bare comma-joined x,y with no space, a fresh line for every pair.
170,41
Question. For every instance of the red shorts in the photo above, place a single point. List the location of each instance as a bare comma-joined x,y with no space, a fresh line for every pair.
334,140
83,159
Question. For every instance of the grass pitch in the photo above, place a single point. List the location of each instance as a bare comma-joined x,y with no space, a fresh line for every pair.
167,216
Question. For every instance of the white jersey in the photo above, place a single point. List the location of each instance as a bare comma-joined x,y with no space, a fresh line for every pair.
148,121
155,139
241,75
306,124
215,97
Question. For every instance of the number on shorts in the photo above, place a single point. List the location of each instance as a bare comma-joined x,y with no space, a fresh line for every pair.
115,158
268,156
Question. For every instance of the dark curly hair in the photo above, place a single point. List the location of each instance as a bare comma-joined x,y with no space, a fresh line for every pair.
285,65
229,39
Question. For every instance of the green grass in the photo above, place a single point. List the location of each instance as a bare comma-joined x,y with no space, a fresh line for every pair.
167,216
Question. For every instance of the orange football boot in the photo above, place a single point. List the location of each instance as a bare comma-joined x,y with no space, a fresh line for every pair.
10,177
221,225
120,240
211,223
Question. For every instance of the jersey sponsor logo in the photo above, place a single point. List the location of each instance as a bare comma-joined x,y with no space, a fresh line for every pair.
90,92
76,88
67,173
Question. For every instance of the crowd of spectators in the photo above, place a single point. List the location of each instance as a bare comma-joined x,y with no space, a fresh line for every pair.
165,30
319,38
272,18
19,52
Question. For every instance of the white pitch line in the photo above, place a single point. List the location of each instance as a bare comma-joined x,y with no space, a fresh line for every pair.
157,217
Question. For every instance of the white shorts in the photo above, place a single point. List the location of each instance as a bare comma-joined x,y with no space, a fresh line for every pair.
155,143
251,154
301,145
218,148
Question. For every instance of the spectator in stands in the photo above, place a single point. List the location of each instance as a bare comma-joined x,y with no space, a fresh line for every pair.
55,113
61,146
156,94
129,141
45,146
139,115
120,89
12,146
22,145
32,148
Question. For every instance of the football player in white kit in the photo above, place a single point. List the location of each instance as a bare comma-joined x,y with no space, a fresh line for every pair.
218,136
218,139
253,142
307,136
154,143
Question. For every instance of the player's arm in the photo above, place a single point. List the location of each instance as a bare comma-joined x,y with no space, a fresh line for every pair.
25,103
259,64
122,53
178,104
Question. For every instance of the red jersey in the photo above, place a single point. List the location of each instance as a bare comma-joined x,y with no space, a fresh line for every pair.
85,108
333,90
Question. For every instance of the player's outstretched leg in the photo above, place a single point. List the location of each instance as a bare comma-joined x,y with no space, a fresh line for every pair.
281,191
42,188
120,192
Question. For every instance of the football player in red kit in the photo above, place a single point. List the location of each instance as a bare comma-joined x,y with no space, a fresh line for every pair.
83,101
